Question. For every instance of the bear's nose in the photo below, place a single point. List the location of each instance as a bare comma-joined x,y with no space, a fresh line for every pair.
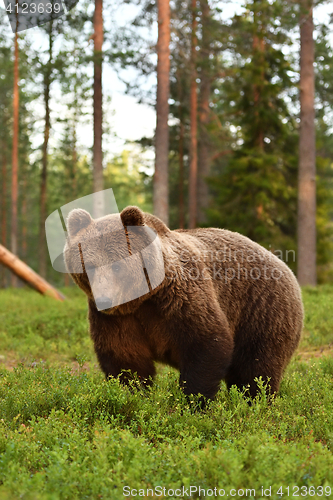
103,302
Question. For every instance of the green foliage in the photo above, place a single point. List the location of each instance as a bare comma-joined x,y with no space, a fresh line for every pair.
34,326
130,184
250,64
324,58
69,172
318,325
71,436
66,433
324,216
255,188
251,198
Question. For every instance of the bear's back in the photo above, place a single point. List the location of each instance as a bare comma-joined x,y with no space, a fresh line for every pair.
250,281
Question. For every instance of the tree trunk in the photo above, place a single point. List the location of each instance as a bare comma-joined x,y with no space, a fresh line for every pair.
181,150
72,171
203,143
4,207
26,274
203,152
161,182
181,176
74,161
306,265
76,107
13,234
258,45
193,118
98,106
24,245
43,180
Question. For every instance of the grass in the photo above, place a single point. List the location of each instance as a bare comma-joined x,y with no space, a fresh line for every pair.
318,304
34,327
65,433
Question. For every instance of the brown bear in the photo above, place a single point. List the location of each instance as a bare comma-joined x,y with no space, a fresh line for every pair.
227,309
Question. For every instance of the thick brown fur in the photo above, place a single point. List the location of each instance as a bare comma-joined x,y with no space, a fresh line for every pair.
227,308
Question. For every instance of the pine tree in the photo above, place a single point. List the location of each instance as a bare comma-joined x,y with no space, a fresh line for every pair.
306,241
204,114
6,101
98,104
210,43
47,80
193,122
256,185
14,226
161,193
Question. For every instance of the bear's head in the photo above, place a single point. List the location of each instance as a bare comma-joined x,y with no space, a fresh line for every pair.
115,260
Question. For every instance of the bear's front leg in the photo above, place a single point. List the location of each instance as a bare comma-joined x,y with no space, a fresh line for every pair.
120,346
206,354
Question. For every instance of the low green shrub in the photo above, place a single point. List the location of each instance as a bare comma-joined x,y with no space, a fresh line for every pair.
66,433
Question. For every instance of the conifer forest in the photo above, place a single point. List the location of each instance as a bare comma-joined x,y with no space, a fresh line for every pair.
243,137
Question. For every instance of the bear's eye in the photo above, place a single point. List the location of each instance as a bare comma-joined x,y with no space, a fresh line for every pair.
116,268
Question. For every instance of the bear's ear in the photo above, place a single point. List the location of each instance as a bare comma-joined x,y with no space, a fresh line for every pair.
132,216
77,220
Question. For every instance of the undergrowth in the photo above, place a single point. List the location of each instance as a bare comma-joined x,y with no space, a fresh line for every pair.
66,433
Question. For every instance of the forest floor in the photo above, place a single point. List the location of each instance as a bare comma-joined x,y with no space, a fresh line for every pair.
65,433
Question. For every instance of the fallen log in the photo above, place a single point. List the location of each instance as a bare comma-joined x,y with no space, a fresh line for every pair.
25,273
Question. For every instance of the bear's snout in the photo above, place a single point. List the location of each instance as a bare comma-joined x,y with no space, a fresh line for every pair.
103,302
